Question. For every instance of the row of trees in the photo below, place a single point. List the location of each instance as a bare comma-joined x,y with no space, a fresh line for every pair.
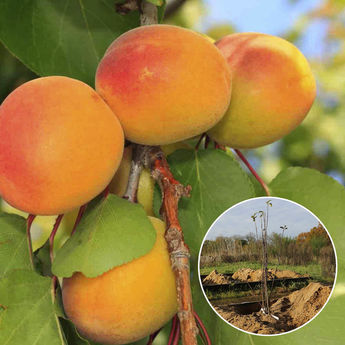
310,247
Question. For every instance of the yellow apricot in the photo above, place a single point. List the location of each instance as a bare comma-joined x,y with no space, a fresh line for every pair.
60,145
164,83
273,90
126,303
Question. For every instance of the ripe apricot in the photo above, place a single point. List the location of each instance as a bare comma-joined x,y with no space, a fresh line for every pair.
126,303
164,83
60,145
273,90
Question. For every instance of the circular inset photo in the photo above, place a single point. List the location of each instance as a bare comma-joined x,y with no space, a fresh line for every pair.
267,266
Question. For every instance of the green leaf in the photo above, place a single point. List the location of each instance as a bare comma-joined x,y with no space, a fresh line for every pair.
325,197
217,181
113,231
28,315
65,37
14,253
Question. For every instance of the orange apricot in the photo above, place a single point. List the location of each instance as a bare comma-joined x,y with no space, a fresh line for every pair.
273,89
164,83
126,303
60,145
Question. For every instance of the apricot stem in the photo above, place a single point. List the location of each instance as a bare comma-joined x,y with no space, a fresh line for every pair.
202,136
172,191
78,219
52,236
29,222
134,173
51,252
252,170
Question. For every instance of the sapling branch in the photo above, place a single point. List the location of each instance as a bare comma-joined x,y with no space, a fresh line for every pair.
29,222
252,170
172,191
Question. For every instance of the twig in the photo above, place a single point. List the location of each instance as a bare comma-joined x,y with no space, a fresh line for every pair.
252,170
134,173
29,222
172,191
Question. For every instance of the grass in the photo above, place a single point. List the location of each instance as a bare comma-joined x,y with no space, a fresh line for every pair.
314,270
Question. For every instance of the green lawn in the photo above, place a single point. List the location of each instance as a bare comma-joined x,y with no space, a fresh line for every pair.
314,270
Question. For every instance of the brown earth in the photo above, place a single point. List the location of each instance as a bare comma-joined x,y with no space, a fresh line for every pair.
249,275
293,311
216,278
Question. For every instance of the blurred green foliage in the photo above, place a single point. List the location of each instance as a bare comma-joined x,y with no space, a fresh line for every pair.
320,141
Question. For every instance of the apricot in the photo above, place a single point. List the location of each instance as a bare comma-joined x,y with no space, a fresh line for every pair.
273,90
126,303
164,83
60,145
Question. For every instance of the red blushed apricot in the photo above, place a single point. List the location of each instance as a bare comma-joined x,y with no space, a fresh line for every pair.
60,145
164,83
273,90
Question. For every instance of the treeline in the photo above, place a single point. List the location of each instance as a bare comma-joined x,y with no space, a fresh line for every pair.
309,247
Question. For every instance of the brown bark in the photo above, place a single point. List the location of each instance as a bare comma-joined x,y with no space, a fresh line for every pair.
172,191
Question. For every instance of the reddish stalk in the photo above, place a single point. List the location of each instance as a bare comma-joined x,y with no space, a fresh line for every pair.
153,337
29,222
78,219
252,170
207,141
177,334
51,252
173,330
172,191
52,236
202,136
203,332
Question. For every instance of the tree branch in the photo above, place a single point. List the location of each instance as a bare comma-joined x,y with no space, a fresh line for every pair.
172,191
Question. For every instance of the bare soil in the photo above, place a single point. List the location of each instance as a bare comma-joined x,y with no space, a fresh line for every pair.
216,278
293,311
249,275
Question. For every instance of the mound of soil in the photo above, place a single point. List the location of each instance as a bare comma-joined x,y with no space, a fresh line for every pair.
249,275
293,311
216,278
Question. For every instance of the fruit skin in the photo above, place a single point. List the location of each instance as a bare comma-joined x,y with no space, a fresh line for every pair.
164,83
126,303
273,90
60,145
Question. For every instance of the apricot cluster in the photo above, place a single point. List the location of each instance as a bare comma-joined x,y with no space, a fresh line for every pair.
62,143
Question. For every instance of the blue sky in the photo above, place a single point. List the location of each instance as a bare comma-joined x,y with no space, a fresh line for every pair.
237,220
273,17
